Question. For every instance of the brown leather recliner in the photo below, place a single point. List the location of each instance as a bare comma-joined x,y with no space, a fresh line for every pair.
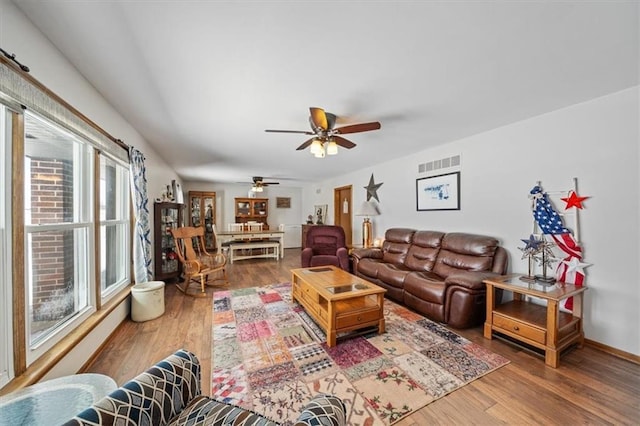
437,274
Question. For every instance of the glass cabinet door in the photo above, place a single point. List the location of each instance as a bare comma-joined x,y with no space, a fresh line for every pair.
196,218
242,208
209,219
259,208
202,212
169,260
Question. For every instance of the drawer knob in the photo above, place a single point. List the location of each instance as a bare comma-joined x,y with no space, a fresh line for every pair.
359,318
516,328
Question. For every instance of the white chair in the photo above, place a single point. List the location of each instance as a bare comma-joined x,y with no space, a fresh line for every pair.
235,227
224,247
254,226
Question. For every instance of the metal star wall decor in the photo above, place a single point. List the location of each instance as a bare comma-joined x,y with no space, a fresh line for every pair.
372,189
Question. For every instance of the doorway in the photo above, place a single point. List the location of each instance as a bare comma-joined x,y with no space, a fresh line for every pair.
342,211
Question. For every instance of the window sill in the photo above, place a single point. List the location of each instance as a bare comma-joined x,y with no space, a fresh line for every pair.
39,368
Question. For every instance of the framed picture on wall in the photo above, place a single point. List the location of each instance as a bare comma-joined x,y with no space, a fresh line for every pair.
283,202
441,192
320,214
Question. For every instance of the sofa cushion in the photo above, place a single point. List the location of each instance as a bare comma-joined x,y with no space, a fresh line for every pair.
324,259
153,397
206,411
426,286
393,275
324,410
424,250
369,267
396,245
325,244
467,252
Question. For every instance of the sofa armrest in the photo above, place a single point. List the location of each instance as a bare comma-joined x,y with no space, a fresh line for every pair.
371,252
469,279
153,397
323,409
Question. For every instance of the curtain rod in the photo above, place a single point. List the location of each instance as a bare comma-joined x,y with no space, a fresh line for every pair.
10,61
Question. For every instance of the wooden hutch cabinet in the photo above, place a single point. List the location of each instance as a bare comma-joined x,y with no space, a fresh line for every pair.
202,212
252,210
166,216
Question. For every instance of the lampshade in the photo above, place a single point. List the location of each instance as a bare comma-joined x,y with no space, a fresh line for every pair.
367,208
332,148
320,153
316,147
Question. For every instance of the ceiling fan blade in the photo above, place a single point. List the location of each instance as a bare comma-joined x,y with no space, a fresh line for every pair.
356,128
305,145
345,143
331,120
270,183
304,132
319,118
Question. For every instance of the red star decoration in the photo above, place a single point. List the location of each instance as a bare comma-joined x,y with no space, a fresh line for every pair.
574,200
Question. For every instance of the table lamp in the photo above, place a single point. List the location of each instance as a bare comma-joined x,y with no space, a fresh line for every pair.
367,209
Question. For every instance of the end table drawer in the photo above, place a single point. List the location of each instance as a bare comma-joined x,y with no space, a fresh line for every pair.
520,328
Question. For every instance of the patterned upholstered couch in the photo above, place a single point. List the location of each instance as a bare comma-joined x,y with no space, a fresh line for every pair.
169,394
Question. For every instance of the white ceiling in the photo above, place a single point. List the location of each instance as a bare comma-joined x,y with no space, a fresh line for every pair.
202,80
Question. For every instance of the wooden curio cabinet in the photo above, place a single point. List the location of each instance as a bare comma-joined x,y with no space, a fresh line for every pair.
166,216
252,210
202,212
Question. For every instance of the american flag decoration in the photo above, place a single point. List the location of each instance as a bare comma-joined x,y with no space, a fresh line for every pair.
571,269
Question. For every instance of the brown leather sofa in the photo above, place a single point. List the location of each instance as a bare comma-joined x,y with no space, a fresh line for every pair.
439,275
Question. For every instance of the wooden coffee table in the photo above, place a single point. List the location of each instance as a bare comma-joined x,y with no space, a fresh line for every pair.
338,301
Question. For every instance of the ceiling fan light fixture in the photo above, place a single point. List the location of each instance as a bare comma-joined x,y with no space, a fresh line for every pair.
332,148
316,147
256,188
321,153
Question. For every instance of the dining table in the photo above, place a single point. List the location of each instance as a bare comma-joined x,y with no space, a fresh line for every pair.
223,237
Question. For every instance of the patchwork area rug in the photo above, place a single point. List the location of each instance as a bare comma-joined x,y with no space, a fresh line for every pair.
270,357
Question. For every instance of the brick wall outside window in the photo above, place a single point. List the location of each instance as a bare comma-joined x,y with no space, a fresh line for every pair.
52,254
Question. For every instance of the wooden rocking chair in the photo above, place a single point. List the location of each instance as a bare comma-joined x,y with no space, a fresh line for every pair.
197,263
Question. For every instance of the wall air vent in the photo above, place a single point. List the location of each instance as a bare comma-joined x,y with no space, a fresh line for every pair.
443,163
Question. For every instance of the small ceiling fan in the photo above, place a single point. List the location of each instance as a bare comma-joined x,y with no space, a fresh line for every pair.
325,133
259,183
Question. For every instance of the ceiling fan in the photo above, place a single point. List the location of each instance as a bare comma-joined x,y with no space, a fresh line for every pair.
258,183
326,137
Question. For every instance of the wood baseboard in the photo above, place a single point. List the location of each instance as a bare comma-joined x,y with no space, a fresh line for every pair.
613,351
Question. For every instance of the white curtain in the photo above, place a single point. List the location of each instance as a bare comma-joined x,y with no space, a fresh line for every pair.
141,236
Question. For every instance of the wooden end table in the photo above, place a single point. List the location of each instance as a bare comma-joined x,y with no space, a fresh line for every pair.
338,301
543,327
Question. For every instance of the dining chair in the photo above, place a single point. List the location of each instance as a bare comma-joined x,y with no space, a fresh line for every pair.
197,264
254,226
235,227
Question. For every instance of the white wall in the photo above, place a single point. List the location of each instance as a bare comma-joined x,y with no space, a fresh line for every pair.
596,141
19,36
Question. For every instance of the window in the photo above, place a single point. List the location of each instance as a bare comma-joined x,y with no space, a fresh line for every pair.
6,308
58,228
74,250
114,225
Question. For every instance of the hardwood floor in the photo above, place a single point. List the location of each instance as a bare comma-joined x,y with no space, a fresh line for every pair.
589,387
